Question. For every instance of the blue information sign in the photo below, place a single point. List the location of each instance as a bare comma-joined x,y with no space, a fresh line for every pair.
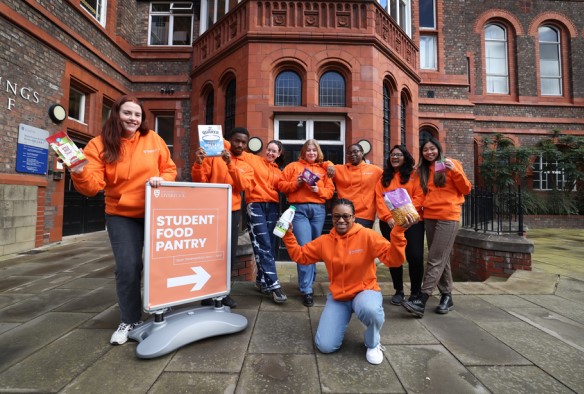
32,152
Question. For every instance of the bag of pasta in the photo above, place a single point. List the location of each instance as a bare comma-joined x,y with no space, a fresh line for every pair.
400,204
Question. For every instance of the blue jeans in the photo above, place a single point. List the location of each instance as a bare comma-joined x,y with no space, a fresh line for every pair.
261,220
127,239
307,225
336,315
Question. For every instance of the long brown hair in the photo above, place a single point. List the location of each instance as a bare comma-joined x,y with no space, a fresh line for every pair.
424,166
111,134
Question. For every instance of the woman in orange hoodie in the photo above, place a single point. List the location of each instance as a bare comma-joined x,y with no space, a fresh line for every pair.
120,161
309,201
348,252
262,215
399,173
444,184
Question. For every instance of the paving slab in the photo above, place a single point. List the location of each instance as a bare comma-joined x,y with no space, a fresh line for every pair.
7,326
223,354
35,334
564,329
553,356
571,309
401,329
571,289
7,299
468,342
37,305
54,366
189,383
477,309
431,369
279,373
476,288
7,283
118,371
529,282
108,319
44,283
282,332
518,380
508,301
92,301
103,272
347,370
88,283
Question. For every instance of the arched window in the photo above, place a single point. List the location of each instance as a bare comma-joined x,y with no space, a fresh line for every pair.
386,123
229,107
209,106
288,90
496,62
331,90
550,61
403,113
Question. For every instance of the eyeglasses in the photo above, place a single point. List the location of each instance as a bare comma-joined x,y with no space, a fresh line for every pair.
396,155
346,217
353,153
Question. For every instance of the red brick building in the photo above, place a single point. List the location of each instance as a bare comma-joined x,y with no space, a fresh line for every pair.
340,71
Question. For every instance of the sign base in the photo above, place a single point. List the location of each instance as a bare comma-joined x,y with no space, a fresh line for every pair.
179,328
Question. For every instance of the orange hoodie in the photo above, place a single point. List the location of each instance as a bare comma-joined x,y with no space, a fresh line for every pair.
445,203
266,176
349,258
412,187
357,184
238,174
124,182
301,193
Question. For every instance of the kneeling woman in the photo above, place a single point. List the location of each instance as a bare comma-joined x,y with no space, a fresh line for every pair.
348,252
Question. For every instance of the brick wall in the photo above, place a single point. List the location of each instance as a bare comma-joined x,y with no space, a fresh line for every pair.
477,256
553,221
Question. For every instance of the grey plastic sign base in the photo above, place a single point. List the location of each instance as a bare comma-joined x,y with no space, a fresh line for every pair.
179,328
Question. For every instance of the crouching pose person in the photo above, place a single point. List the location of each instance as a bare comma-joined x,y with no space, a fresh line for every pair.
348,252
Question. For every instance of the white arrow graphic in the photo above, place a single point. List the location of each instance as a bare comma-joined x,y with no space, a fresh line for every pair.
199,279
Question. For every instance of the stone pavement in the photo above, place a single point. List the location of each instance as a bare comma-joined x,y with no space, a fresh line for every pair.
521,335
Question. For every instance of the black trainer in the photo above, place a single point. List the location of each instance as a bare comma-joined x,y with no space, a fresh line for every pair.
445,304
417,305
278,296
228,301
397,298
308,299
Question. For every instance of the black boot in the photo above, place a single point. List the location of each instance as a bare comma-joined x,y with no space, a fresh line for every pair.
445,304
417,305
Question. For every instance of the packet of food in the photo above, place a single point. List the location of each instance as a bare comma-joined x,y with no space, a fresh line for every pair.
66,149
309,177
400,204
439,166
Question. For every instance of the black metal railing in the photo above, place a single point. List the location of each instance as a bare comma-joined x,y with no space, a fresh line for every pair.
493,212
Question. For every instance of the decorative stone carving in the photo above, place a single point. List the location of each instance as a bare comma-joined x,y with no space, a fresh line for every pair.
279,18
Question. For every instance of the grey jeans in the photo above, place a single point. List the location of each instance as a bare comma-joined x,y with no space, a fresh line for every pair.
440,235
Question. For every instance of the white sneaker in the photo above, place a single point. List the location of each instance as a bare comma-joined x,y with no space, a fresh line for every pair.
375,355
120,336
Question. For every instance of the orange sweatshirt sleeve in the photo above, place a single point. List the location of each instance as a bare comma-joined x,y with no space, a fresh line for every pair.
92,179
382,209
326,188
201,172
393,255
307,254
289,179
459,178
241,175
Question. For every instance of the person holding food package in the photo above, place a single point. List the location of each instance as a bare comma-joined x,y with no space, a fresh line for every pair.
356,181
120,161
399,173
307,187
444,184
349,251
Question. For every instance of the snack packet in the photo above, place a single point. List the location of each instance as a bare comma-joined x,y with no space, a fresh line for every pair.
309,177
439,166
400,204
66,149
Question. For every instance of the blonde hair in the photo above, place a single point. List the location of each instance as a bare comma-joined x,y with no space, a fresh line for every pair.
319,155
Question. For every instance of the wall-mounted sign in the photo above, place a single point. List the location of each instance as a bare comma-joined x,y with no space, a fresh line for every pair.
32,151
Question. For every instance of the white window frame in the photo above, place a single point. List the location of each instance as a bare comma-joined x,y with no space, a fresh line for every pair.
99,14
204,12
559,77
82,98
543,176
174,10
309,125
428,61
157,126
490,76
405,19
